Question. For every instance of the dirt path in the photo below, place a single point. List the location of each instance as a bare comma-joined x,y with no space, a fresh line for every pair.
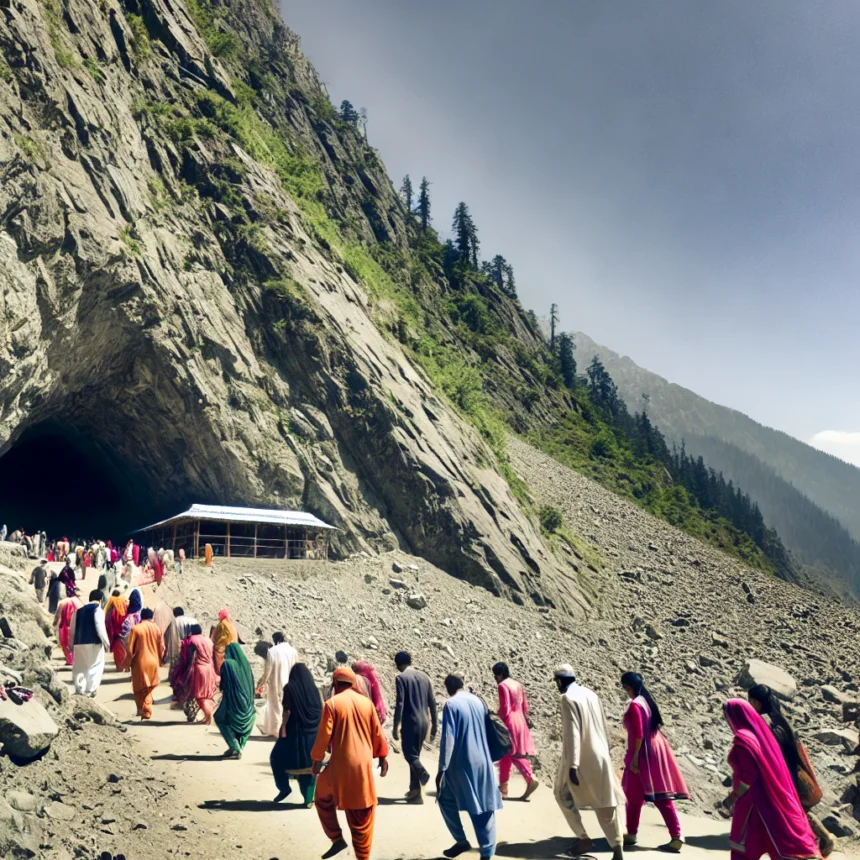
227,809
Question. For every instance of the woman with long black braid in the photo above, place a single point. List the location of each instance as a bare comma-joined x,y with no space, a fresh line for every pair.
761,697
650,771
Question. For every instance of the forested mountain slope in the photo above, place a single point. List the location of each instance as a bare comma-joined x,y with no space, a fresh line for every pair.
810,497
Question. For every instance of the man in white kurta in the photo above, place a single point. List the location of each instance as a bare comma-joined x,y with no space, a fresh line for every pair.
88,633
279,663
586,778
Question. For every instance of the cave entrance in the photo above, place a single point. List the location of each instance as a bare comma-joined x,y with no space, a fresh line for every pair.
62,479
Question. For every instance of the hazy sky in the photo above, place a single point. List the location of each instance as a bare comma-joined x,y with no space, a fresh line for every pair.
681,177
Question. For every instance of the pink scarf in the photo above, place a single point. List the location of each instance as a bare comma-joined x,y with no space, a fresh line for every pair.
773,794
367,671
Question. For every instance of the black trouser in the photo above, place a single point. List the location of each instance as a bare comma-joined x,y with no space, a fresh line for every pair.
413,737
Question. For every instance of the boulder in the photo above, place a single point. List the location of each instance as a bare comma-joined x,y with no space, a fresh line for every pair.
653,633
758,672
836,697
837,737
397,583
25,730
21,800
416,600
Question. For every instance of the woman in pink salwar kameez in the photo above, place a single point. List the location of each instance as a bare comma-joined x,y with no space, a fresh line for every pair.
651,773
514,713
63,622
767,814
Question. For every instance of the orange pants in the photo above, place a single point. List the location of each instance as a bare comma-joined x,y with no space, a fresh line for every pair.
360,822
143,700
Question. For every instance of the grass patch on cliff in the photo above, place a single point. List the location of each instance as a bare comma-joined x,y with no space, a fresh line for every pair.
55,25
31,147
140,45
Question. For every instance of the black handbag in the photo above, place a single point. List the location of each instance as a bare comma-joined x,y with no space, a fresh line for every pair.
498,736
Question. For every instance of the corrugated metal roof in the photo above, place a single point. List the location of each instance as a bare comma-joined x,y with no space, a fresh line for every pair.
225,513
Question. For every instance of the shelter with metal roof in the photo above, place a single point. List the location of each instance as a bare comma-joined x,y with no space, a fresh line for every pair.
241,533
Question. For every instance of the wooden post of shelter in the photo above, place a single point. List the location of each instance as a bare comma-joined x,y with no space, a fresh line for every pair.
256,527
228,538
286,543
197,539
173,544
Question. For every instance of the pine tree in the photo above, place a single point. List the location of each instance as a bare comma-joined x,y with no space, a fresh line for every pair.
465,235
424,203
510,284
553,325
362,122
407,193
567,361
348,113
601,386
495,270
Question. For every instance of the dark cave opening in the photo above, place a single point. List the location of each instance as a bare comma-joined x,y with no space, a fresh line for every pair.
63,480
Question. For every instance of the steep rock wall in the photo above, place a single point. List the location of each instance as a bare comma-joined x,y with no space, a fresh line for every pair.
213,343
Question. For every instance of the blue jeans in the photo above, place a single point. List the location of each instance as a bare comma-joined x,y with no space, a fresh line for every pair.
484,823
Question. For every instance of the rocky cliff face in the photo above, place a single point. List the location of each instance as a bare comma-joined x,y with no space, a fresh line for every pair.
185,281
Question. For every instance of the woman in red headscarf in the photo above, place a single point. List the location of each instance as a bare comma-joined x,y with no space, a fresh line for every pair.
767,815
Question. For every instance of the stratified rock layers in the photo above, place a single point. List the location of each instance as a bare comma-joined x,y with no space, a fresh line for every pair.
220,353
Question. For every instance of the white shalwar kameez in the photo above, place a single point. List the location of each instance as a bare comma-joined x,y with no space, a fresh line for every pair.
279,663
585,747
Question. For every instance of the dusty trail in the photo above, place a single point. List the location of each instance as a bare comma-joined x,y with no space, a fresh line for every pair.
227,810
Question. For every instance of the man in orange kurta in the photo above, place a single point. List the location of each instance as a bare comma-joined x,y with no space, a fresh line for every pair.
145,655
351,726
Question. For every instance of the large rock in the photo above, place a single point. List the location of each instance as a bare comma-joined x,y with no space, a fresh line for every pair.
835,696
846,738
758,672
25,730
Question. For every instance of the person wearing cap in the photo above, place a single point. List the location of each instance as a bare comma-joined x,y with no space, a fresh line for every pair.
350,726
39,579
586,778
415,703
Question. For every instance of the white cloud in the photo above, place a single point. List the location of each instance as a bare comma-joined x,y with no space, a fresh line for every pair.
840,444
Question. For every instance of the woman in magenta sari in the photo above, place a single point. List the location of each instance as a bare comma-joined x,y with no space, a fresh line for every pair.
651,773
767,815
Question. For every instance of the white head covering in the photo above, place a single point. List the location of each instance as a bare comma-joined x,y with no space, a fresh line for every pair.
565,670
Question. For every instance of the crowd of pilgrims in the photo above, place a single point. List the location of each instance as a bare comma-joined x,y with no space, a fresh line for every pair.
326,740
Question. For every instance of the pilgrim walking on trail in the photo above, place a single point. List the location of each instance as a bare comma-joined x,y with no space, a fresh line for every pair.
414,715
90,644
145,649
350,726
235,716
767,816
514,712
280,659
223,634
651,773
762,698
467,778
291,754
586,777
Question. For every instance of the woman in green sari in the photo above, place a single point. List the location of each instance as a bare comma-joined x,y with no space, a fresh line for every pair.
236,714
